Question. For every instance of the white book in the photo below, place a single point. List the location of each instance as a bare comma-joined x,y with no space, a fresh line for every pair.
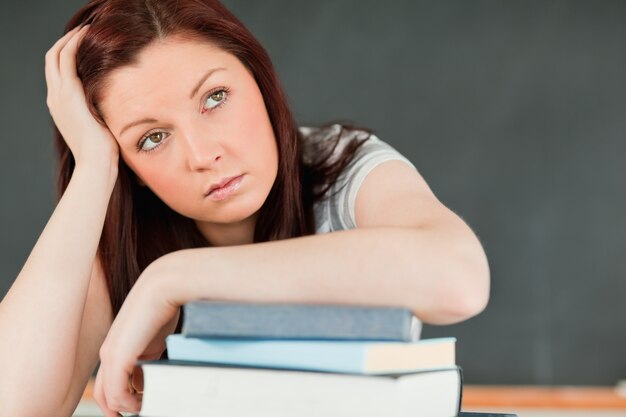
175,389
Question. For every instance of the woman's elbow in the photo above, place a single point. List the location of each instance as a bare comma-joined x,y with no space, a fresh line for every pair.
463,295
465,304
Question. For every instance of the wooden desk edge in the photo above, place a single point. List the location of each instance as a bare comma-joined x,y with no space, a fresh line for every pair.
486,396
481,396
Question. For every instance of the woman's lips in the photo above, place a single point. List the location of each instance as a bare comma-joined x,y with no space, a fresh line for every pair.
226,190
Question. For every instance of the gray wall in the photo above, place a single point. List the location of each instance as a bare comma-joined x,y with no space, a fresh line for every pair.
512,111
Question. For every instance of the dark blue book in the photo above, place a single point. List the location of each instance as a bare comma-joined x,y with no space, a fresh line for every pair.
217,319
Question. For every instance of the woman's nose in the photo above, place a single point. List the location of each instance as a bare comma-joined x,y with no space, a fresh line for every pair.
201,151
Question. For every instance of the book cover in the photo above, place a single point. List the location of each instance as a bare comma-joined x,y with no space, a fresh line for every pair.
176,389
357,357
299,321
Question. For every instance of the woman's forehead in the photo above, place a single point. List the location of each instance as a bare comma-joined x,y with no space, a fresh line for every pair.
171,69
176,58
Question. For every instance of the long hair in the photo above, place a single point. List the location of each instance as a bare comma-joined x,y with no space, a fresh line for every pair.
139,227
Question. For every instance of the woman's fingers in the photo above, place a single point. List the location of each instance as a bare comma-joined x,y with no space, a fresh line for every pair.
52,57
116,373
61,62
98,394
112,401
67,56
85,136
137,379
117,393
118,390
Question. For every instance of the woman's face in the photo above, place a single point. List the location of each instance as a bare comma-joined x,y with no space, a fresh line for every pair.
188,117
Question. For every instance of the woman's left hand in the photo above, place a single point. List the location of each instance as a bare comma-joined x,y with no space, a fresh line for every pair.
149,314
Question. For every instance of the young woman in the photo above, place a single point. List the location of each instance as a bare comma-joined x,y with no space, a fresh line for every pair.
184,176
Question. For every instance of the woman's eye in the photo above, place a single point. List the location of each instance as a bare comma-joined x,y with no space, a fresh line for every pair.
215,99
151,141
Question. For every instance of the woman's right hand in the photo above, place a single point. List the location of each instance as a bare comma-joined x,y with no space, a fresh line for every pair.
89,141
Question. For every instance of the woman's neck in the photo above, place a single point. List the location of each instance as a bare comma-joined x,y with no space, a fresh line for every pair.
229,234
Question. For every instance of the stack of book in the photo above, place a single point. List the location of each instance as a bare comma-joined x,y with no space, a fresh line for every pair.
235,359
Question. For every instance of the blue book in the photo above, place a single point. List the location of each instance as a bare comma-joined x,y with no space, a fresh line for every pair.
354,357
299,321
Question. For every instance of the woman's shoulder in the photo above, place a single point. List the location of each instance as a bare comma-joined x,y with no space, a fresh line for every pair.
328,144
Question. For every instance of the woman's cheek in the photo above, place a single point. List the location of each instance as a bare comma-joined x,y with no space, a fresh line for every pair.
166,185
168,189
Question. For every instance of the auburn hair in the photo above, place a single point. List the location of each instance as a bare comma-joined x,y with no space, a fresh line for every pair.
119,30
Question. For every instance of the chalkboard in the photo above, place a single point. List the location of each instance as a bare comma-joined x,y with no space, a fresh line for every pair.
514,112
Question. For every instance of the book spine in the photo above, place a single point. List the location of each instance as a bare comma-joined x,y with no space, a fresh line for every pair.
358,357
206,319
265,354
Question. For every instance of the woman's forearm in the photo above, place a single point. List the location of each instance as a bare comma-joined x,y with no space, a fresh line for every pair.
441,274
40,316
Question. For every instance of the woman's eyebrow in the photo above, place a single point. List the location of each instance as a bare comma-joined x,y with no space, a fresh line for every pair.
191,96
203,79
138,122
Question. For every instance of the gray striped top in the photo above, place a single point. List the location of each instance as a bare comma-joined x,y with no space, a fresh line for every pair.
336,211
